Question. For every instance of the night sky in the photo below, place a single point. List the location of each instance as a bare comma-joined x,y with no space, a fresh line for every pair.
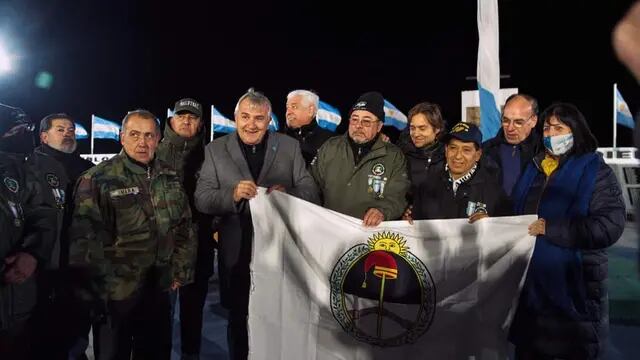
108,57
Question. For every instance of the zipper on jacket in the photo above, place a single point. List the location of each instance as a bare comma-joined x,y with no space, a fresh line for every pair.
154,219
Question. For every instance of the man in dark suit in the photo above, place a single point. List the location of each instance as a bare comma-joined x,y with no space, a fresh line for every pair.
234,166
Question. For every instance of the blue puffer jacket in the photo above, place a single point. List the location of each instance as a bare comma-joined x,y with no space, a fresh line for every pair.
563,309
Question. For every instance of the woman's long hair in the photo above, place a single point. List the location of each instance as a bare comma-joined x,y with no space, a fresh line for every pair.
583,140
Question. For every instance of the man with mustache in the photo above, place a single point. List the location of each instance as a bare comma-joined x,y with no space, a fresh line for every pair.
358,173
183,148
57,165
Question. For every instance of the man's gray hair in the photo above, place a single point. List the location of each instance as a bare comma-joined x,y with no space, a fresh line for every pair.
256,98
145,114
47,121
308,98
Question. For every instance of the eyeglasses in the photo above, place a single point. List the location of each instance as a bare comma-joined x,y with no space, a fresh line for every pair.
365,123
517,123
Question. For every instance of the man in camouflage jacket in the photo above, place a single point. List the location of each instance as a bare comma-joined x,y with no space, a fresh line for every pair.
183,148
132,232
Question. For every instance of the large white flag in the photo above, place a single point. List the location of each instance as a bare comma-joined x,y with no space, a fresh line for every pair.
488,69
325,287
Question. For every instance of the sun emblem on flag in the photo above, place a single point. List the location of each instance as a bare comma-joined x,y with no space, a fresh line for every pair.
381,293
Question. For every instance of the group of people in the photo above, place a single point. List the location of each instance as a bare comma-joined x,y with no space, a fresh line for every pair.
135,230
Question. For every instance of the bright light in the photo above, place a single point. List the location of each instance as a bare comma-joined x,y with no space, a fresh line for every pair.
5,60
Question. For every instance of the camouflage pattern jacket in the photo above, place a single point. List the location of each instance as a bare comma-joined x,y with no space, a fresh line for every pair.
27,224
131,228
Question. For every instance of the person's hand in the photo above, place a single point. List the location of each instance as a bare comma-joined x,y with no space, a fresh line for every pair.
373,217
19,267
537,228
245,189
276,188
384,138
408,214
626,40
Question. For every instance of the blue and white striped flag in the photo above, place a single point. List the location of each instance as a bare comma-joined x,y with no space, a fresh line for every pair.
488,69
274,124
328,117
104,129
393,116
169,113
81,132
623,114
221,124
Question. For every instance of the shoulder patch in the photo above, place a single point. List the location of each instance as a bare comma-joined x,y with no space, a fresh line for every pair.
11,184
52,180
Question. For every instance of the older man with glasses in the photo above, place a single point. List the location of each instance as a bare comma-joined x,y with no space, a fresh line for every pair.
359,174
517,142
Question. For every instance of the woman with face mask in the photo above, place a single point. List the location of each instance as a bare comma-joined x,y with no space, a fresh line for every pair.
563,309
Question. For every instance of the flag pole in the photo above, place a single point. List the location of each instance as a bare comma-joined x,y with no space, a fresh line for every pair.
211,137
381,307
615,118
92,126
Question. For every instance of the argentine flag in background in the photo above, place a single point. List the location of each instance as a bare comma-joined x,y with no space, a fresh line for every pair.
488,69
81,132
169,113
274,124
393,116
328,117
623,114
220,123
104,129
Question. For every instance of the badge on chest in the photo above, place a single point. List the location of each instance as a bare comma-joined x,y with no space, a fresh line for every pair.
376,181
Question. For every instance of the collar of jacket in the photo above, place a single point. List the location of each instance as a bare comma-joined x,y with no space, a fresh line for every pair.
252,149
179,142
56,154
537,160
434,151
137,167
303,130
370,145
532,141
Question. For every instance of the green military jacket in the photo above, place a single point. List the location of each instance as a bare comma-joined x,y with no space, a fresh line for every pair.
185,156
378,181
132,227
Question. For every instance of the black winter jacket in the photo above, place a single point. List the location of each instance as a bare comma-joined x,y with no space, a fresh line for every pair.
435,199
591,235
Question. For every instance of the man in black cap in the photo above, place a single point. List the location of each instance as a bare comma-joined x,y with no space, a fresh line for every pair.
183,148
359,174
464,188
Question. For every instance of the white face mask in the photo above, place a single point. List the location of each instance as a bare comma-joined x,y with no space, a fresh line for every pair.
559,144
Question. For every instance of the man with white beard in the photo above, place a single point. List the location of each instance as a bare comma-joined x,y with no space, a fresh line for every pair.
58,166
